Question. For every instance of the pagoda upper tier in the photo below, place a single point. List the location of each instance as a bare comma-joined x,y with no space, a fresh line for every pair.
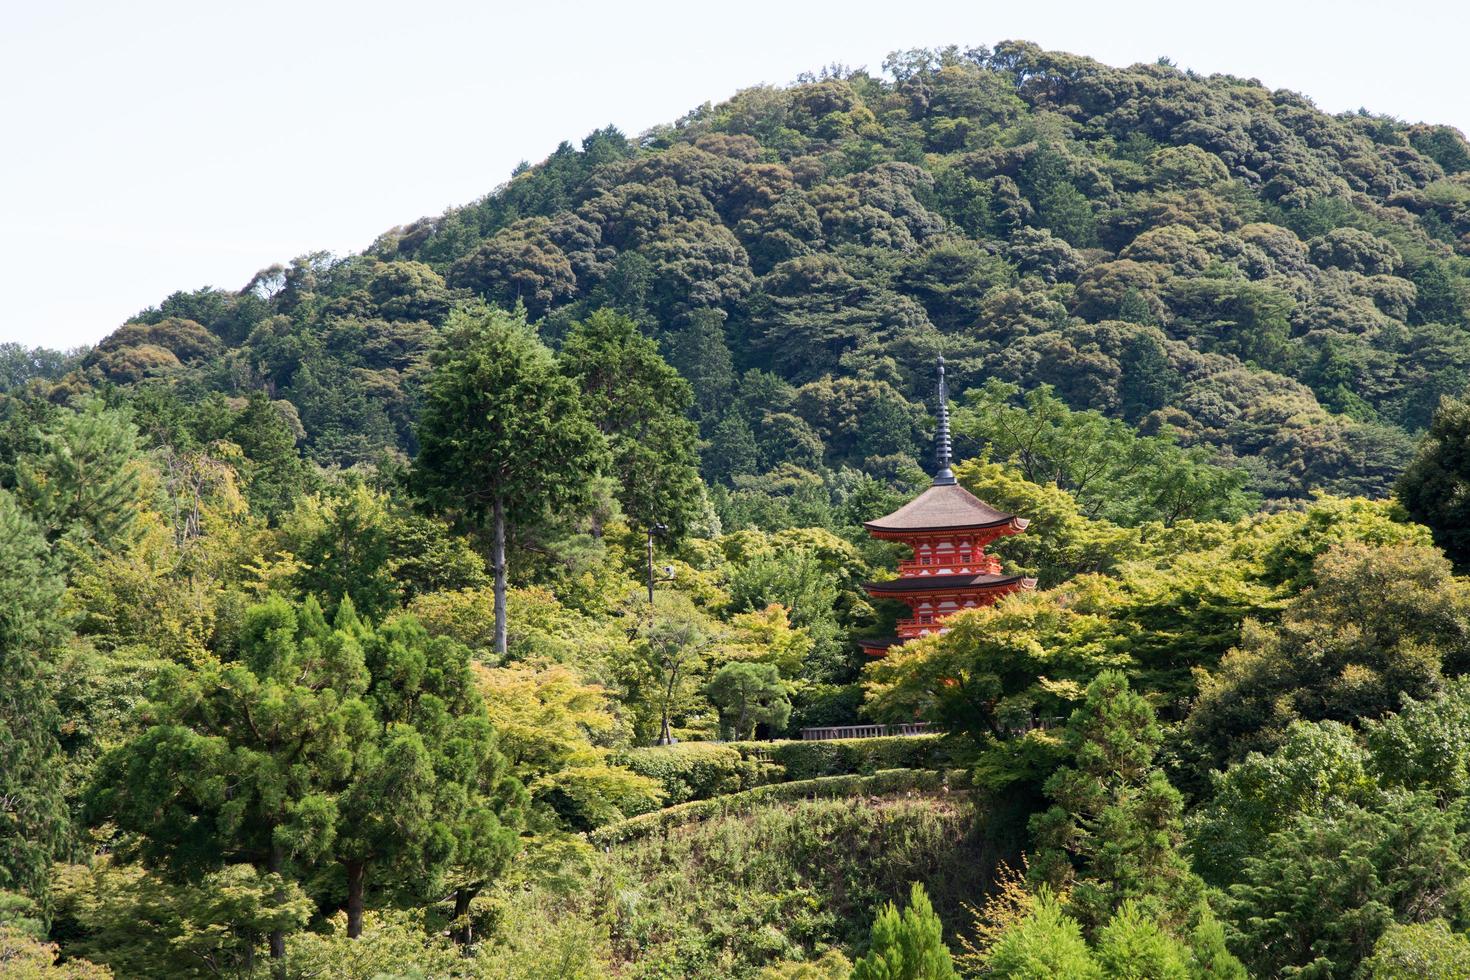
948,528
944,507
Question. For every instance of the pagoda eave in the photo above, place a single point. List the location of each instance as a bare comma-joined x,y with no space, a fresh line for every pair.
1010,525
947,585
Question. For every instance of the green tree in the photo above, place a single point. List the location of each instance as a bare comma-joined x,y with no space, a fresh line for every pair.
1114,473
700,353
1317,894
674,640
504,438
1319,768
243,760
142,925
34,821
274,473
641,404
82,485
907,945
1132,945
1419,951
1379,623
432,803
831,966
797,578
750,694
1425,744
1114,832
24,957
1435,486
1047,943
341,539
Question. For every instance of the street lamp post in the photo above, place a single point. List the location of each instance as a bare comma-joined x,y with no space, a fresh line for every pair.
670,661
660,530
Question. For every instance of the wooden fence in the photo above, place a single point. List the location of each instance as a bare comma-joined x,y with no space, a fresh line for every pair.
866,731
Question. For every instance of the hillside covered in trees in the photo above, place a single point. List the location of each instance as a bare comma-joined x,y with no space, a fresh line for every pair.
1196,256
346,619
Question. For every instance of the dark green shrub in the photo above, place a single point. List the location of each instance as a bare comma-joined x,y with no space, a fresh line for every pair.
820,705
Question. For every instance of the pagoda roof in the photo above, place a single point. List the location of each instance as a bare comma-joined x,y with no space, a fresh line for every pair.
943,507
947,583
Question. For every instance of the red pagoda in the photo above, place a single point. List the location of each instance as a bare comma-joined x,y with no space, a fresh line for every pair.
948,529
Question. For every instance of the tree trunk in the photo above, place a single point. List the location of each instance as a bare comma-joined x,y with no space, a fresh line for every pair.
464,930
666,736
356,875
650,574
499,561
277,936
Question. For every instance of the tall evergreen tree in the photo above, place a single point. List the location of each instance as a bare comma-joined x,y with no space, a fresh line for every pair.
641,404
243,759
907,945
274,473
33,820
431,803
83,484
503,439
1115,829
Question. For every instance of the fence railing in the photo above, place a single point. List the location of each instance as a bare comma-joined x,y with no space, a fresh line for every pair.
867,731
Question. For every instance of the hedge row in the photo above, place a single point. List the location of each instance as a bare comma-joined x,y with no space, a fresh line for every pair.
704,770
700,770
885,783
808,760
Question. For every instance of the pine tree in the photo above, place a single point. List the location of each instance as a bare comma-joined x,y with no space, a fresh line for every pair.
243,761
1047,943
82,485
504,439
33,815
274,473
907,945
432,804
640,403
700,353
1115,829
1133,945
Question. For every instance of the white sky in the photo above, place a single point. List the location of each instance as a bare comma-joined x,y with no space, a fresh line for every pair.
150,146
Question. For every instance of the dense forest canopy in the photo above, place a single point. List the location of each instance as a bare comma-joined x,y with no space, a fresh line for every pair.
346,620
1199,256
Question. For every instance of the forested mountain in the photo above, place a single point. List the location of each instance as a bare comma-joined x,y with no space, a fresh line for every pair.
454,609
1199,256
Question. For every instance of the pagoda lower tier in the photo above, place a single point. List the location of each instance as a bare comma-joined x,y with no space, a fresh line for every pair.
934,598
948,530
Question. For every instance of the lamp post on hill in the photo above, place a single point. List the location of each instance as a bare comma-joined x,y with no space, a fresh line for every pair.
660,530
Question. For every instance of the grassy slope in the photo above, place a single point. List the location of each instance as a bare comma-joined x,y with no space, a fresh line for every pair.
723,897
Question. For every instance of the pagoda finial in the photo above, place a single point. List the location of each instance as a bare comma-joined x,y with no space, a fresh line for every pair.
943,476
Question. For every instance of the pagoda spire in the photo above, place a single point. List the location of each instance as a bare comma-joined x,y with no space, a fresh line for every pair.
943,476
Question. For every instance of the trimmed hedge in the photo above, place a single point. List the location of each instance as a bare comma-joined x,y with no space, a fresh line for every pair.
885,783
692,771
699,770
808,760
